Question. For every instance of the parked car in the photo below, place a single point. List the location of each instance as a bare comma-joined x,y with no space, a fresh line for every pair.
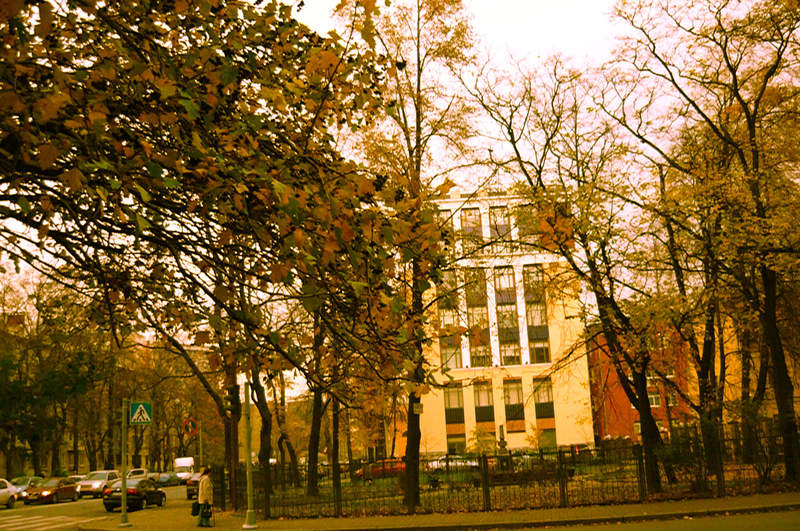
140,492
21,484
184,467
381,469
168,479
136,473
192,484
51,490
8,493
96,482
452,463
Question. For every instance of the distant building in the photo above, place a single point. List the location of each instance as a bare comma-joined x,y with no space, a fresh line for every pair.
615,417
509,337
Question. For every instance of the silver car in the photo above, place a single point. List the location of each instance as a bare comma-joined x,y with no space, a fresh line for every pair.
22,483
8,493
96,482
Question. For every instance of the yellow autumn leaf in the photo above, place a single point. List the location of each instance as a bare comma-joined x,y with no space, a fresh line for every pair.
48,154
72,179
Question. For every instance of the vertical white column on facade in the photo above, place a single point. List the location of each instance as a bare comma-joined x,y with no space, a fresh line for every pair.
462,322
491,301
522,322
462,297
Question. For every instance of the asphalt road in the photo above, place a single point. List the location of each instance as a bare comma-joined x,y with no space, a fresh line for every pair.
66,516
768,521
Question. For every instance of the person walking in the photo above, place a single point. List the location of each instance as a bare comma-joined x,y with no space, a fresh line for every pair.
205,495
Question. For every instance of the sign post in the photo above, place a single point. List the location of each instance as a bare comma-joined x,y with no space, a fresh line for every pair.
200,440
124,451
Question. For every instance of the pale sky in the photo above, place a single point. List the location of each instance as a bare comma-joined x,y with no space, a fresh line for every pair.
527,29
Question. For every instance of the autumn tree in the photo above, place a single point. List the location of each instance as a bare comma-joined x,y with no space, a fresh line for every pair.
572,170
725,71
426,123
183,140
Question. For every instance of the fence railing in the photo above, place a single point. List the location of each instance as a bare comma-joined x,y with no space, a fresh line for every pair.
564,477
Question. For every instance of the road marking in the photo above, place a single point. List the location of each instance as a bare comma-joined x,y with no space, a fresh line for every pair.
72,523
30,521
40,523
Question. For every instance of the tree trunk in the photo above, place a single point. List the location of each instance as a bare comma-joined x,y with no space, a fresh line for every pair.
76,456
265,450
784,391
350,469
284,442
312,480
651,438
335,473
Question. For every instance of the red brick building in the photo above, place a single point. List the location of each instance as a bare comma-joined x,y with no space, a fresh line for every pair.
613,415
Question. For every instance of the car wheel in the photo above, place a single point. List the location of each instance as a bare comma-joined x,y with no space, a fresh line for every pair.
11,500
109,508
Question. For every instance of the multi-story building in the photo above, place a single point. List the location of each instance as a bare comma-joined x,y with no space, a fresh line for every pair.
615,417
509,337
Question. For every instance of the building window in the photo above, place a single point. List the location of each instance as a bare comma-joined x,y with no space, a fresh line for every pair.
540,352
512,396
449,338
471,230
507,318
536,313
510,354
456,444
480,349
484,404
547,438
528,224
672,398
637,427
654,398
500,229
543,398
454,404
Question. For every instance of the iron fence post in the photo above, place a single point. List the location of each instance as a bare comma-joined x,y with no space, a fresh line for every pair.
562,479
487,499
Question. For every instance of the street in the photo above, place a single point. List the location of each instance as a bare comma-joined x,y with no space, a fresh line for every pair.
767,521
88,512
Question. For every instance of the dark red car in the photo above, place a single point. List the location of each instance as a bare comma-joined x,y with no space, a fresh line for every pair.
52,490
382,469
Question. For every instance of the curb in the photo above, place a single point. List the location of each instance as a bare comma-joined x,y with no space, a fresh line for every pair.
593,520
528,524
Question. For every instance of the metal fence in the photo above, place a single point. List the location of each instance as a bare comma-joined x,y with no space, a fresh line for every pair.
609,473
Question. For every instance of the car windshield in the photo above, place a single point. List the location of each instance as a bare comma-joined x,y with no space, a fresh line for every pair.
97,475
20,481
183,469
49,483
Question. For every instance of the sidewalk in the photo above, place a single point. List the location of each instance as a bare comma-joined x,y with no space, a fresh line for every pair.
176,520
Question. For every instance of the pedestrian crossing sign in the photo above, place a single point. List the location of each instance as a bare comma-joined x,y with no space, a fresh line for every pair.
141,413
